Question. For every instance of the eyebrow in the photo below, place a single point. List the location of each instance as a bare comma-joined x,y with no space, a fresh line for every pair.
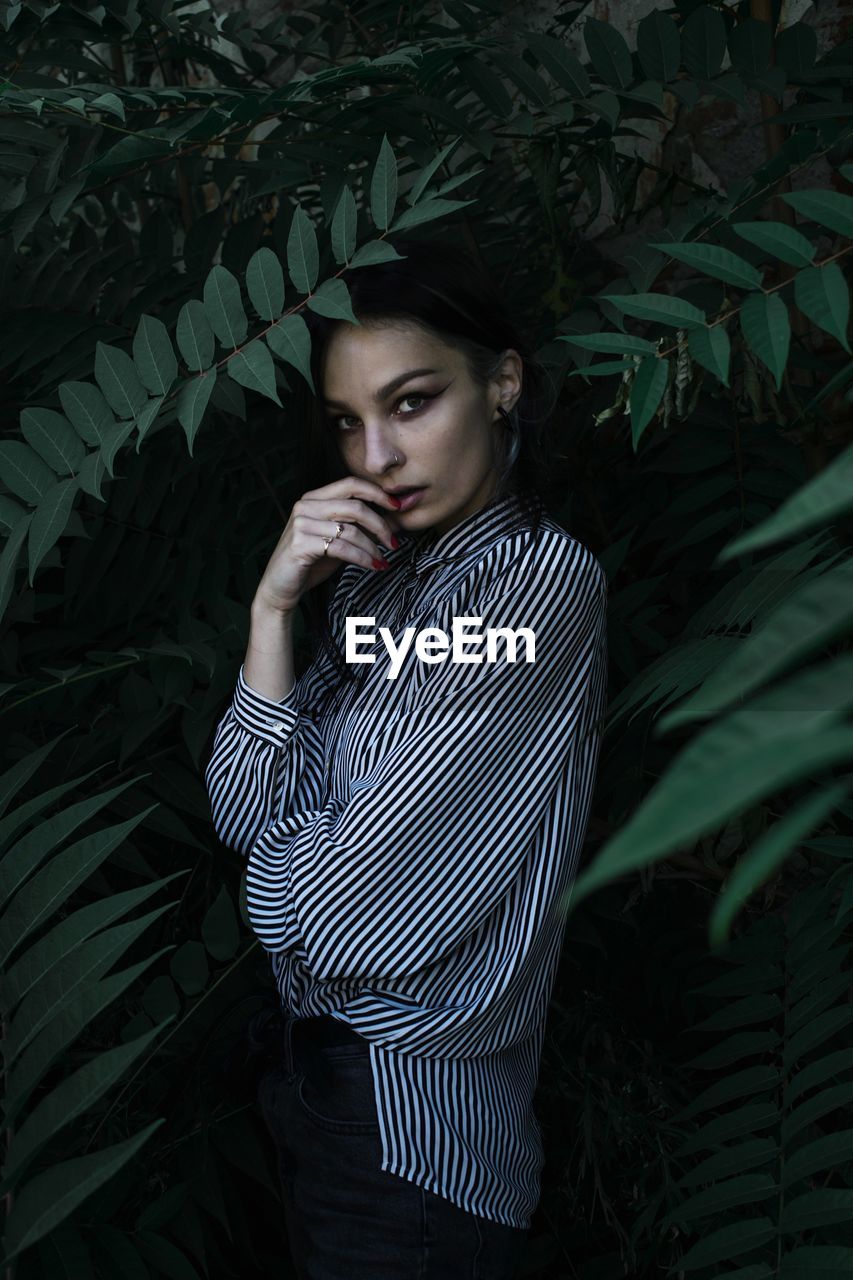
385,391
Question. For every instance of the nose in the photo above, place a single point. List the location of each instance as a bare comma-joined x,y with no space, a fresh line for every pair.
380,451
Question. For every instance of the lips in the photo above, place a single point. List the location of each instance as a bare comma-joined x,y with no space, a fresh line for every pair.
409,497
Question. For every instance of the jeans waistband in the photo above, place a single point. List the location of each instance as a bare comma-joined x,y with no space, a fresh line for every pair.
323,1029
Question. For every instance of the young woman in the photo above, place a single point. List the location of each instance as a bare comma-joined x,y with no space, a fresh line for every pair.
411,817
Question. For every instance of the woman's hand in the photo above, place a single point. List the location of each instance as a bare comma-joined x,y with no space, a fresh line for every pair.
298,562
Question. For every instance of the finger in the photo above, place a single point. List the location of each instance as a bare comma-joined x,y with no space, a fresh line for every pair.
351,544
355,487
353,511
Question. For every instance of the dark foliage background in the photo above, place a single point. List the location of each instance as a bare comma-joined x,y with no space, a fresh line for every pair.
178,184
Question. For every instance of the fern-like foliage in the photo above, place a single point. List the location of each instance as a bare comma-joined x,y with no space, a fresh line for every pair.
770,1189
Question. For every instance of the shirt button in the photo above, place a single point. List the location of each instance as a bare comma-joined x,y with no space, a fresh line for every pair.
276,725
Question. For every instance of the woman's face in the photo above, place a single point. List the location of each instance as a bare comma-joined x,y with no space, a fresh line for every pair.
442,427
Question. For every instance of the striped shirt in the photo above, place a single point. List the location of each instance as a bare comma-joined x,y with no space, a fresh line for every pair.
406,848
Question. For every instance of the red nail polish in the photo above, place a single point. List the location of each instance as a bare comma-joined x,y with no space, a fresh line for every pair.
395,541
380,564
397,501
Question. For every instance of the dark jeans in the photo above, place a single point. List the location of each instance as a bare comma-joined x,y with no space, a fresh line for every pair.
346,1218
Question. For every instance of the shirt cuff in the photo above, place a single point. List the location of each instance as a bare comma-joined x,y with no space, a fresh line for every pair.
273,721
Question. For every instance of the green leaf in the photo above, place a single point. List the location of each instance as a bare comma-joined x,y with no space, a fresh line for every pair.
646,393
735,1159
810,616
750,45
50,1197
219,929
711,348
23,472
486,85
41,895
625,343
147,417
817,1262
602,370
821,293
716,261
767,855
818,1157
9,560
252,366
728,1242
375,251
422,181
776,238
703,42
822,1208
189,968
332,299
829,208
48,1005
115,440
109,102
659,46
747,1119
383,186
223,307
660,307
90,477
746,1189
303,255
606,105
265,284
192,402
739,759
609,53
11,512
796,48
562,65
87,411
290,340
50,519
428,211
195,336
116,375
825,1026
767,329
58,948
153,356
344,223
54,439
72,1097
819,501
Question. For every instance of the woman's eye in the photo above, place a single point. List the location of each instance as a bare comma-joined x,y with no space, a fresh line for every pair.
413,395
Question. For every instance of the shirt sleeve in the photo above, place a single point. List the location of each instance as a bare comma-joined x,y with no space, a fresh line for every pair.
393,877
268,756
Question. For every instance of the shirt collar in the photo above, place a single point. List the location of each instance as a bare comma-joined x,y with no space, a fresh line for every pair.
469,537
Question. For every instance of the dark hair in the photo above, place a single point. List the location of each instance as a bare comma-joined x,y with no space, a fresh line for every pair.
445,291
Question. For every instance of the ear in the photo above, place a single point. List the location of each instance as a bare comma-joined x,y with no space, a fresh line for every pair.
507,382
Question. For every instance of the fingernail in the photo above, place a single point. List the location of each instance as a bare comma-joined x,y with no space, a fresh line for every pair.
380,564
396,501
395,541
